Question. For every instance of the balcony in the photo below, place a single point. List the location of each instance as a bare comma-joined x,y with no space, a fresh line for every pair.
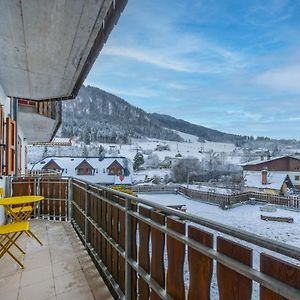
40,119
61,269
144,250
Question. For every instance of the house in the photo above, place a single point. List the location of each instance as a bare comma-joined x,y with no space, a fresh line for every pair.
52,166
289,165
168,162
162,147
104,170
276,183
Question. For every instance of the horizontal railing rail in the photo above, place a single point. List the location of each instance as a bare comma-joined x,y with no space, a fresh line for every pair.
146,250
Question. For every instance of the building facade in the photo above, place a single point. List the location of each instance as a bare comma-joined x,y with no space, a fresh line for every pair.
284,164
106,171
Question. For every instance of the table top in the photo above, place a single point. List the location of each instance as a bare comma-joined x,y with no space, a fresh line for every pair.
20,200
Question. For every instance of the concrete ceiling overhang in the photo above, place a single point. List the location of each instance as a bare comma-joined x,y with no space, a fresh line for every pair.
47,47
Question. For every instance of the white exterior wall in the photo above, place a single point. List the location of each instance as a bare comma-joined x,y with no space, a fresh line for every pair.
6,106
292,177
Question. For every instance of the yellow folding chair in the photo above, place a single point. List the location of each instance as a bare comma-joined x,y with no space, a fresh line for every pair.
8,236
20,214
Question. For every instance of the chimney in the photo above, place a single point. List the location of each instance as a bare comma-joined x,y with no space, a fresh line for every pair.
264,177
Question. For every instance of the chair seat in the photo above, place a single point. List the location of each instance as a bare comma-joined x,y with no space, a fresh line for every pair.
24,209
14,227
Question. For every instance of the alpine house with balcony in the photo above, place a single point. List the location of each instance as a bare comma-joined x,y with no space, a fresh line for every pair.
100,243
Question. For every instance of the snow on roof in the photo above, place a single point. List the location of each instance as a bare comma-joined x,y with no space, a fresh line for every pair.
275,180
259,161
69,164
61,140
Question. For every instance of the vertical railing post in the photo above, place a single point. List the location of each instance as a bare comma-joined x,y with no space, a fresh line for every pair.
37,192
87,214
70,199
128,241
8,186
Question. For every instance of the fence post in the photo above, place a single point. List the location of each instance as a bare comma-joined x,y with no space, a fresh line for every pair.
87,214
128,240
37,192
8,187
70,199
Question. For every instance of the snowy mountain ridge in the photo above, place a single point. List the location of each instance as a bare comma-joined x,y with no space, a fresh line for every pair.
98,116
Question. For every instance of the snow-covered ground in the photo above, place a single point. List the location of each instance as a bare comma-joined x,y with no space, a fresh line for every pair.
192,148
245,217
211,189
141,176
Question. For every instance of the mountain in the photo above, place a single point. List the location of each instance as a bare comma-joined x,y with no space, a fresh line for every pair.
96,115
202,132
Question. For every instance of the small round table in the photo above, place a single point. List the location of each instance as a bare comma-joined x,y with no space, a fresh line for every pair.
19,209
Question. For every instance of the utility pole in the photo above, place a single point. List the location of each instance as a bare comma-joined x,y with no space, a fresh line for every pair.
188,180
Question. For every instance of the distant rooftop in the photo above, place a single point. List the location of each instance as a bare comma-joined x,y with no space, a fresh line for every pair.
275,180
260,161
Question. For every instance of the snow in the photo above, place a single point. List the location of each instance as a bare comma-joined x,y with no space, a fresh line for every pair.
195,149
245,217
205,188
187,137
69,164
275,180
144,174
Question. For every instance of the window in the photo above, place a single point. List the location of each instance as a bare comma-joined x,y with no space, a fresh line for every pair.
297,177
115,169
84,171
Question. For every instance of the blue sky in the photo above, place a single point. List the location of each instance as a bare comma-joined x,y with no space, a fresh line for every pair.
228,65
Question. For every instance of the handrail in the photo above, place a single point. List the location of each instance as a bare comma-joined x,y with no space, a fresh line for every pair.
246,236
103,217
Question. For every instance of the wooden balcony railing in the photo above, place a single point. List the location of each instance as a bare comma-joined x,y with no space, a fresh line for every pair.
145,250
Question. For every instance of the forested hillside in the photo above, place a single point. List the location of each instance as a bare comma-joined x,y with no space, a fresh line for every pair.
100,116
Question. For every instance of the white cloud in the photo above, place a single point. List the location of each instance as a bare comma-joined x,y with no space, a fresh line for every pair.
201,59
286,78
147,57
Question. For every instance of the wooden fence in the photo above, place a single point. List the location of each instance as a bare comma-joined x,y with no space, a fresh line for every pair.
55,191
145,250
220,199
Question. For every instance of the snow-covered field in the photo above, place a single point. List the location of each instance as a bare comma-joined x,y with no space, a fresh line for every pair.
245,217
192,148
205,188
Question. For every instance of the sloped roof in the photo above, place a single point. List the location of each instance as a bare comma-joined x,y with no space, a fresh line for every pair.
69,164
116,162
46,164
259,161
84,162
275,180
